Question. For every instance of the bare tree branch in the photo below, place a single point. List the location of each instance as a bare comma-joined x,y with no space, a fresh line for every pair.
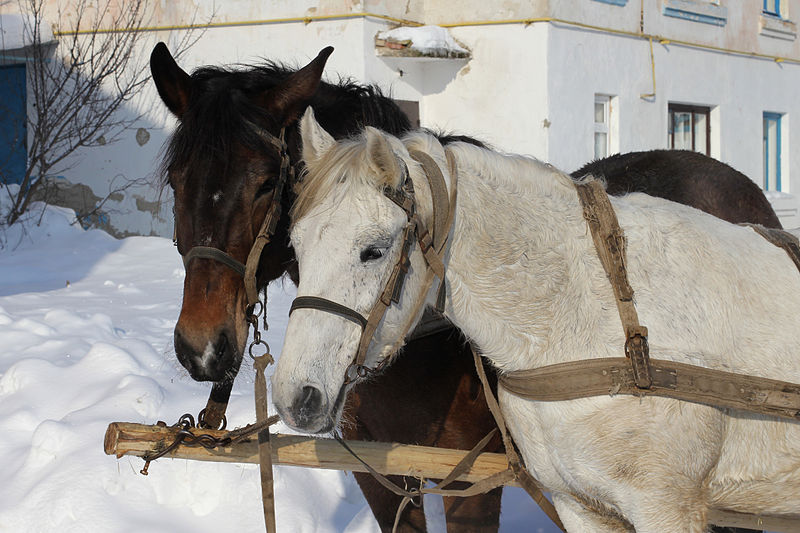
78,88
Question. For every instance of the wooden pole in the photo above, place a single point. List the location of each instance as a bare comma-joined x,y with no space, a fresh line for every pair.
123,438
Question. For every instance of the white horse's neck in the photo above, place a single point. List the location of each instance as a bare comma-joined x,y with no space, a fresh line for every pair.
518,229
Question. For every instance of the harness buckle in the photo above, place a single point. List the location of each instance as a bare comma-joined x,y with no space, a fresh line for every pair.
355,372
425,240
638,351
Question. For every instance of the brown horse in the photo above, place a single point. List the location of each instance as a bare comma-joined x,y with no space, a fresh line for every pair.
222,168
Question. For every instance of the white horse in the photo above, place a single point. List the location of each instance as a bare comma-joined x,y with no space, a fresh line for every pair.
525,285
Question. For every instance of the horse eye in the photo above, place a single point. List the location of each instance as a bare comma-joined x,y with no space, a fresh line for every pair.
371,253
266,187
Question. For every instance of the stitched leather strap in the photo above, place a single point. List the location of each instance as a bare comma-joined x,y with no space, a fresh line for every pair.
609,241
206,252
264,446
322,304
614,375
521,474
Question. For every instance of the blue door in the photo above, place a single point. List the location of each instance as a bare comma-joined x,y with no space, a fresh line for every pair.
13,124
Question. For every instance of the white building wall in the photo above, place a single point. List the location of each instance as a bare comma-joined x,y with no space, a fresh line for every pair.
528,88
501,95
106,167
738,89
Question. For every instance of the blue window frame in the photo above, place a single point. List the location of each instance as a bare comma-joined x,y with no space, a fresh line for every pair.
772,7
13,124
772,151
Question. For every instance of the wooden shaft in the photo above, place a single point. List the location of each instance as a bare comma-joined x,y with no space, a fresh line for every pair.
123,438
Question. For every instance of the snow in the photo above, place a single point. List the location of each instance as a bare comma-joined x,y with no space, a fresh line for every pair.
428,40
86,326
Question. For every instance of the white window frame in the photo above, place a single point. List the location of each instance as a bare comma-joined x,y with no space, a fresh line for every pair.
777,151
602,127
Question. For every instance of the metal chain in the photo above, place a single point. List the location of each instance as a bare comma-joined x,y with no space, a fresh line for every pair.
186,422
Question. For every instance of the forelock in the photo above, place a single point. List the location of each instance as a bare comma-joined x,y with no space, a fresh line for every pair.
343,166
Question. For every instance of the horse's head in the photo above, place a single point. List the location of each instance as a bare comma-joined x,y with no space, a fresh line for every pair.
223,163
348,233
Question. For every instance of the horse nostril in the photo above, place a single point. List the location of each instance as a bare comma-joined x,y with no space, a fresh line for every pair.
221,346
307,405
206,360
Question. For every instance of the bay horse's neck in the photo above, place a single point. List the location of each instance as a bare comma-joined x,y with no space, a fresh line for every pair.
518,229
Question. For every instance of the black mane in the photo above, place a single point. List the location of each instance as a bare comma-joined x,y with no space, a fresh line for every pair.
224,102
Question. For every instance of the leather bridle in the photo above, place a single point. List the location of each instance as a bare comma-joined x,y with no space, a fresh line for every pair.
249,269
414,230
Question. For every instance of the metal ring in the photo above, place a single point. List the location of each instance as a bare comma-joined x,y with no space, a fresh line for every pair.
361,372
254,343
201,421
251,309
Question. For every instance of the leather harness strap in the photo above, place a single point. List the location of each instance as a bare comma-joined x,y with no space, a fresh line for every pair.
609,241
781,239
207,252
521,474
614,375
638,374
323,304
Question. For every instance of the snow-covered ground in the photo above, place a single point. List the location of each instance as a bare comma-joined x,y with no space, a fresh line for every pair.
86,339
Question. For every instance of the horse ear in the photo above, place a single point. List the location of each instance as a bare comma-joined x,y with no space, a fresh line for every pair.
288,99
173,84
316,141
382,158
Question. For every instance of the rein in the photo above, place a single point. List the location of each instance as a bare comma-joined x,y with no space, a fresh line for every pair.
220,393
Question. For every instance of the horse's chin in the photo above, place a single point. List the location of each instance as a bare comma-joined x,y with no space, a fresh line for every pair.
322,425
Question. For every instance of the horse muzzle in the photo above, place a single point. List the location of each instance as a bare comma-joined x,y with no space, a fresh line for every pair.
214,359
306,409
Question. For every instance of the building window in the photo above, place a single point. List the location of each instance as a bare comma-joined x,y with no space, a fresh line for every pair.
602,133
411,109
772,7
705,11
13,124
772,152
690,128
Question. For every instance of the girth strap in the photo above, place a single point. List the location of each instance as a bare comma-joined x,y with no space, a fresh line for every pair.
614,375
